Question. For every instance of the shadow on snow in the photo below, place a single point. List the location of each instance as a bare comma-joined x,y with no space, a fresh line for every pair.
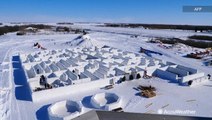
22,91
87,102
42,113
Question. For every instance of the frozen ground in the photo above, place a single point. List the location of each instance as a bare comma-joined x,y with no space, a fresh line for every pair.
15,100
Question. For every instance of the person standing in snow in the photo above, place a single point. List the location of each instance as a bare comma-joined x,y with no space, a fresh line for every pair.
42,80
209,76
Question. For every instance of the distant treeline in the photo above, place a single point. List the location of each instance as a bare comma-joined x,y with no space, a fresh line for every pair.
162,26
1,24
198,44
65,23
7,29
201,37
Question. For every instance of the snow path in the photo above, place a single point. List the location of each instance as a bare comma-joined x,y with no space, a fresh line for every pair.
5,84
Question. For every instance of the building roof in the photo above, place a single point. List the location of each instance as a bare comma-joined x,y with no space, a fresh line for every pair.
108,115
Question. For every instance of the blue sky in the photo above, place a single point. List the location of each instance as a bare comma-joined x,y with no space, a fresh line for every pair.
136,11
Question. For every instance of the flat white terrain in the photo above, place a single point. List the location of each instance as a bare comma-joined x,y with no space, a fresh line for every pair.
16,103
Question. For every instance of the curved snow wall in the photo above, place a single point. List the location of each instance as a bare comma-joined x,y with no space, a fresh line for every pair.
65,110
106,101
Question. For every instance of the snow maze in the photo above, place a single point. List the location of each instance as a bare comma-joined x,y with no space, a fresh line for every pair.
70,69
55,71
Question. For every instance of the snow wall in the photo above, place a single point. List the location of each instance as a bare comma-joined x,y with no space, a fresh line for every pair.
54,93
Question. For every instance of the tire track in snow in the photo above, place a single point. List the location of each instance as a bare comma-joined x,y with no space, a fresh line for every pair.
133,102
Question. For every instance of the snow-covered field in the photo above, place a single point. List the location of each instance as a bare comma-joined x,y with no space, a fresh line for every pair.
16,103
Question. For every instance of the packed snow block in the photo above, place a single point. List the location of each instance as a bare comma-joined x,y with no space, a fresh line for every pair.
53,67
52,75
166,75
61,67
82,79
64,63
164,68
48,62
110,73
89,74
71,75
118,60
24,58
195,81
71,62
57,83
64,77
192,77
83,56
177,71
31,73
100,74
77,79
31,58
53,52
152,69
65,110
47,69
83,76
43,65
116,79
36,56
98,100
118,72
152,63
103,68
61,55
38,69
190,70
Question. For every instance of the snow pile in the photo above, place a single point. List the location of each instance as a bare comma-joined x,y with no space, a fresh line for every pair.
81,41
181,46
182,49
